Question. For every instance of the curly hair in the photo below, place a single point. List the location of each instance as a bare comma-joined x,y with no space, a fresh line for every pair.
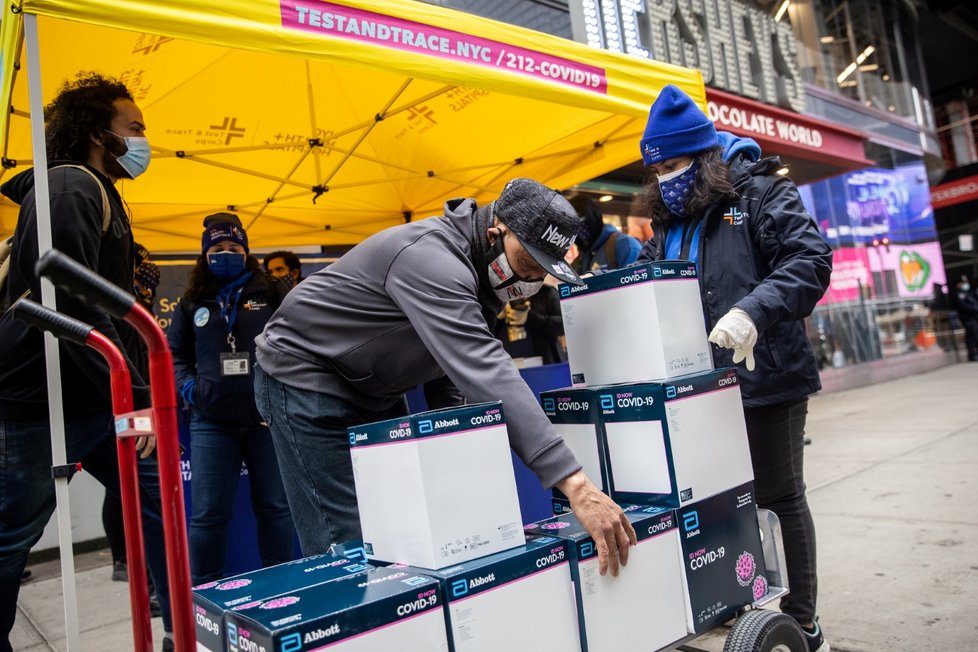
82,107
712,183
203,285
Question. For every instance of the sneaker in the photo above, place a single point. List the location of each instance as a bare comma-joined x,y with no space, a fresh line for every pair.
167,643
120,573
816,642
26,575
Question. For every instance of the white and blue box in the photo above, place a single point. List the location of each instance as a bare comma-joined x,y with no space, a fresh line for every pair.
214,599
518,599
643,607
641,322
573,411
380,610
722,556
672,442
437,488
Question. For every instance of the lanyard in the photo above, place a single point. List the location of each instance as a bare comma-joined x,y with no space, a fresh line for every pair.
229,311
689,228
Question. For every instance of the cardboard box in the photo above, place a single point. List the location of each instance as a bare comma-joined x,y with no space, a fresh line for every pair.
380,610
673,442
214,599
437,488
573,411
642,608
722,555
640,322
518,599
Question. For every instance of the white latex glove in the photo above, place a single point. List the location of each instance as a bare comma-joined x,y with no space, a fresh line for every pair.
736,331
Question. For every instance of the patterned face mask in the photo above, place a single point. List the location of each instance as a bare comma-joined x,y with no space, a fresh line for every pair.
675,187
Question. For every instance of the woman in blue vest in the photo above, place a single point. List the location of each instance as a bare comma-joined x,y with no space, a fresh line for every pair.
212,336
762,266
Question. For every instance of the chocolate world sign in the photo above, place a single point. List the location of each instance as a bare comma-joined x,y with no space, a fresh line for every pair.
737,47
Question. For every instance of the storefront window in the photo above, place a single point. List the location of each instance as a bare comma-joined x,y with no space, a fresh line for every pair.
866,50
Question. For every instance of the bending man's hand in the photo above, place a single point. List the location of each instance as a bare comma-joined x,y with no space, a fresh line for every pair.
602,518
736,331
145,446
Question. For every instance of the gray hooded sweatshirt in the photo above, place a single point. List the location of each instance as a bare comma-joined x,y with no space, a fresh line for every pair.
405,307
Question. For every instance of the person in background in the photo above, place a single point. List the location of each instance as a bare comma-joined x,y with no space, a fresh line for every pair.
762,267
409,305
965,302
601,245
534,326
639,228
284,265
146,276
95,138
228,300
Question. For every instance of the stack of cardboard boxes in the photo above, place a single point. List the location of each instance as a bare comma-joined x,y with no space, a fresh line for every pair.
678,442
447,563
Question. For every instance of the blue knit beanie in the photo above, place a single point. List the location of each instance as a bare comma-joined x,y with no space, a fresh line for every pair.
676,127
220,227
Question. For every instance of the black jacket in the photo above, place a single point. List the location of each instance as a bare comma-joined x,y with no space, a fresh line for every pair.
774,265
198,335
76,224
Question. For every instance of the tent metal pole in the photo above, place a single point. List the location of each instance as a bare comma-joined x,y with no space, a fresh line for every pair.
55,411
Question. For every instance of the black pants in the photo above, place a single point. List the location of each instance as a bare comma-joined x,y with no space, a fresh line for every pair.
971,337
777,443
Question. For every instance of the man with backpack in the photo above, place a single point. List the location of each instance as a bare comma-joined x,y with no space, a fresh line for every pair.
94,139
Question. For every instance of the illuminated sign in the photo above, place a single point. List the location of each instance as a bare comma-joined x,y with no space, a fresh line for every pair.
735,46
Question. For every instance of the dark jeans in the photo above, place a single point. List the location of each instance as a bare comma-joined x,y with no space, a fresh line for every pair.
777,444
309,431
27,498
216,453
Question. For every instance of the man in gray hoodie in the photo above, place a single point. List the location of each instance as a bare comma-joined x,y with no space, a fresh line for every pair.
410,305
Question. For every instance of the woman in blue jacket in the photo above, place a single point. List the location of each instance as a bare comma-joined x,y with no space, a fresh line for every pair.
762,266
212,336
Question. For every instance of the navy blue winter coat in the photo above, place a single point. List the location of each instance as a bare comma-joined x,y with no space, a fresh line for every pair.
198,335
763,253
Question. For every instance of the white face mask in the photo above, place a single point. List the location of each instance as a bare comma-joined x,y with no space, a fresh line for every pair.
503,280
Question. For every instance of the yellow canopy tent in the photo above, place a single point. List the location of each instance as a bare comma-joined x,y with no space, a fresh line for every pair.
324,122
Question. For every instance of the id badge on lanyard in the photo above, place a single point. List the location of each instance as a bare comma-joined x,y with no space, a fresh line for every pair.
233,363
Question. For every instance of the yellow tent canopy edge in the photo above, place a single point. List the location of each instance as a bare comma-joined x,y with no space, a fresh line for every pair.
445,45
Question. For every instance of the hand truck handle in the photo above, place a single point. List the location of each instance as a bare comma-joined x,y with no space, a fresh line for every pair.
61,326
85,284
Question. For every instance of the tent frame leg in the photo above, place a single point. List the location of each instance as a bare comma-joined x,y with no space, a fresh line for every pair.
55,411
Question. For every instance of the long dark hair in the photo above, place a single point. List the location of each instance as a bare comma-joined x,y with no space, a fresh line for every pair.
203,285
82,107
712,183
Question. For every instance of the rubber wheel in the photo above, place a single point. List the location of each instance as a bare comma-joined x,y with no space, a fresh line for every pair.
763,630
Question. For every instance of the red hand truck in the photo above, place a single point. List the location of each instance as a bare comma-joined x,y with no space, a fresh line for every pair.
160,419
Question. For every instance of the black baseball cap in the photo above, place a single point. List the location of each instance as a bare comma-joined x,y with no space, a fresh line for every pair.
544,222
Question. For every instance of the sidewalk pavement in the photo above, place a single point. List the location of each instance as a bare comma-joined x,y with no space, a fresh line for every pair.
893,483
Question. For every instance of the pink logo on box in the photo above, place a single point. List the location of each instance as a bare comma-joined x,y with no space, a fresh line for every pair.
230,585
760,587
556,525
746,569
278,603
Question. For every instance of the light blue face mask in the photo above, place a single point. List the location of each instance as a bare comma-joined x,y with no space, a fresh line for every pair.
675,186
136,159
